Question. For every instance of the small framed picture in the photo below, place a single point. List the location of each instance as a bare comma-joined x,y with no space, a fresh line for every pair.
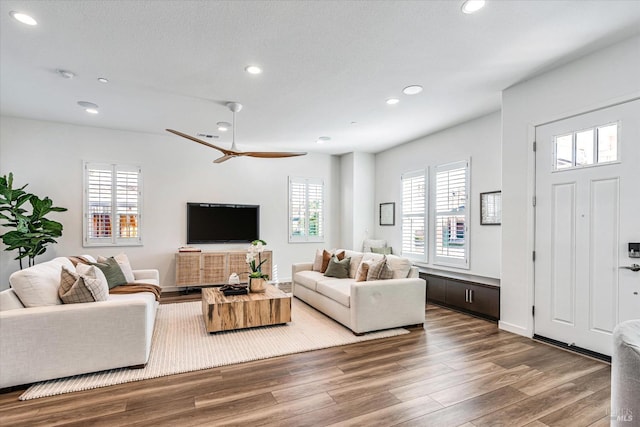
491,208
388,213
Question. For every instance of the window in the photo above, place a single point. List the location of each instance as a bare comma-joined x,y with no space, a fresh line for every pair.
306,210
451,219
586,147
414,215
112,204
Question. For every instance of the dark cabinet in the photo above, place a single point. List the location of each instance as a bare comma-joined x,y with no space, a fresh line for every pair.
471,297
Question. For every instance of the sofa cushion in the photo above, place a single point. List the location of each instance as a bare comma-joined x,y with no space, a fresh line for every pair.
400,266
339,290
38,285
338,268
379,270
308,278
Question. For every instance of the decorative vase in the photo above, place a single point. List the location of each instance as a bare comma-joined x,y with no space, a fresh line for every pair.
257,284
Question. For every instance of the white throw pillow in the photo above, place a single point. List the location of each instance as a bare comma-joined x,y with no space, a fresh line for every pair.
400,266
317,261
38,285
92,271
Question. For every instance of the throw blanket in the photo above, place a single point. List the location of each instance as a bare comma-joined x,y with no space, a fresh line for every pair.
129,288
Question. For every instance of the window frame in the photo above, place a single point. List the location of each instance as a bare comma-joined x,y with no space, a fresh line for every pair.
307,183
113,216
596,148
448,260
406,247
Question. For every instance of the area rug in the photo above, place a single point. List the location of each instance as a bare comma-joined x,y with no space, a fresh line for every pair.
181,344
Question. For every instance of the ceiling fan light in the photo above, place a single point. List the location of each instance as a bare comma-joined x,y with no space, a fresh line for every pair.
23,17
471,6
223,126
103,80
91,110
392,101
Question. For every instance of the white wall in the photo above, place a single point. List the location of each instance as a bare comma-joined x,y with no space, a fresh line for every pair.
600,79
358,203
48,156
478,140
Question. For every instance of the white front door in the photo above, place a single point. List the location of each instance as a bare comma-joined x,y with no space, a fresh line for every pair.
587,212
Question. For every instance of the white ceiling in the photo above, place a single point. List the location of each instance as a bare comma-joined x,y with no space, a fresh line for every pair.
173,64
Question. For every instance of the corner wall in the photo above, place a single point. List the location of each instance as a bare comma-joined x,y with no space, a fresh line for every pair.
48,156
478,140
594,81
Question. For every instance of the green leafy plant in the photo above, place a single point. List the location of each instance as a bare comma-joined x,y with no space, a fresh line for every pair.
256,248
31,231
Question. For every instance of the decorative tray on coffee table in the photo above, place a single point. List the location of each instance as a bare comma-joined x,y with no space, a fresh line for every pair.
228,290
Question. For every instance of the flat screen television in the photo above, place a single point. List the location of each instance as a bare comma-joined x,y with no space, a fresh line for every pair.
222,223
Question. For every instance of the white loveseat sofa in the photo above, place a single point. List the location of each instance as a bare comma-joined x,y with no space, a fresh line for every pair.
369,305
48,339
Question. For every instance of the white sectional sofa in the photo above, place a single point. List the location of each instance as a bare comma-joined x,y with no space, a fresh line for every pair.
364,306
54,340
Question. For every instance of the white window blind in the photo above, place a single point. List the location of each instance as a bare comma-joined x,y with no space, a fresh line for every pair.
112,205
414,215
451,215
306,209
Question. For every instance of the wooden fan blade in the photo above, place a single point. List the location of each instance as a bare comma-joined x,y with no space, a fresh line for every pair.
271,154
224,158
199,141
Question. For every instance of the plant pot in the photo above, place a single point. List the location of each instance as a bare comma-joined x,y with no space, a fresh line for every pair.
257,284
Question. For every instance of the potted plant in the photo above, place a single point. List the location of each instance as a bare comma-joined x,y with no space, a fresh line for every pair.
257,279
31,232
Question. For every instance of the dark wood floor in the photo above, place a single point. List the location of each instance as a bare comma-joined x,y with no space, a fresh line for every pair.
459,371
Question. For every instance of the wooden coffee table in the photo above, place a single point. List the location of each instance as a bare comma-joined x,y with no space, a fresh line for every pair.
226,313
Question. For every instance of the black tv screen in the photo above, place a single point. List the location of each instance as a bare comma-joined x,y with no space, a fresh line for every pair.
222,223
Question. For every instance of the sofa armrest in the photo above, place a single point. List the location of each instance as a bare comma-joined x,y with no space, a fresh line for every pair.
147,274
48,342
383,304
301,266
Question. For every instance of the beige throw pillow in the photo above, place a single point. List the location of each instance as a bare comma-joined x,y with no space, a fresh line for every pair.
363,269
380,270
79,288
317,261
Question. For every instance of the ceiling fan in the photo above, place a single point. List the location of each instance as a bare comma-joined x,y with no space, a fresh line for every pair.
233,152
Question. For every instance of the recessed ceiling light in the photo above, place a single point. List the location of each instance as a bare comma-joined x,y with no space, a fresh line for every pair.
323,139
66,73
103,80
89,107
354,123
23,17
392,101
253,69
412,90
223,126
471,6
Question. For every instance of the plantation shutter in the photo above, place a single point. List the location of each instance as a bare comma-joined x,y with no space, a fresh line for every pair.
112,205
306,209
451,214
414,211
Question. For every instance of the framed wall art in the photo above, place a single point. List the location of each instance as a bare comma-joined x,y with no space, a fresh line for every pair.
491,208
388,213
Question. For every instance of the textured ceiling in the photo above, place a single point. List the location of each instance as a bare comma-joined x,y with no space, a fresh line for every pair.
326,64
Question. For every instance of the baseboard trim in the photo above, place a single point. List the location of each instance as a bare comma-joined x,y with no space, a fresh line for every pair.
573,348
510,327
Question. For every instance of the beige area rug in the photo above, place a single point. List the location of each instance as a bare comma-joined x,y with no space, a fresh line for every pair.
181,344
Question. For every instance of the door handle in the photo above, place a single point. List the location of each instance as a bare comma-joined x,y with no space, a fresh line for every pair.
632,267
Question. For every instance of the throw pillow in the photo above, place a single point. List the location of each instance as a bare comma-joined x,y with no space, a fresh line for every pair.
125,266
317,261
112,271
338,268
101,291
326,256
379,270
77,288
373,243
383,251
363,269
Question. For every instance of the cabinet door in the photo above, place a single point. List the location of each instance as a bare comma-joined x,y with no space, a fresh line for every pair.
484,300
187,269
238,264
213,268
456,294
436,288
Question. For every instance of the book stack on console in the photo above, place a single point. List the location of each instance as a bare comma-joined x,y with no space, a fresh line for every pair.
189,249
